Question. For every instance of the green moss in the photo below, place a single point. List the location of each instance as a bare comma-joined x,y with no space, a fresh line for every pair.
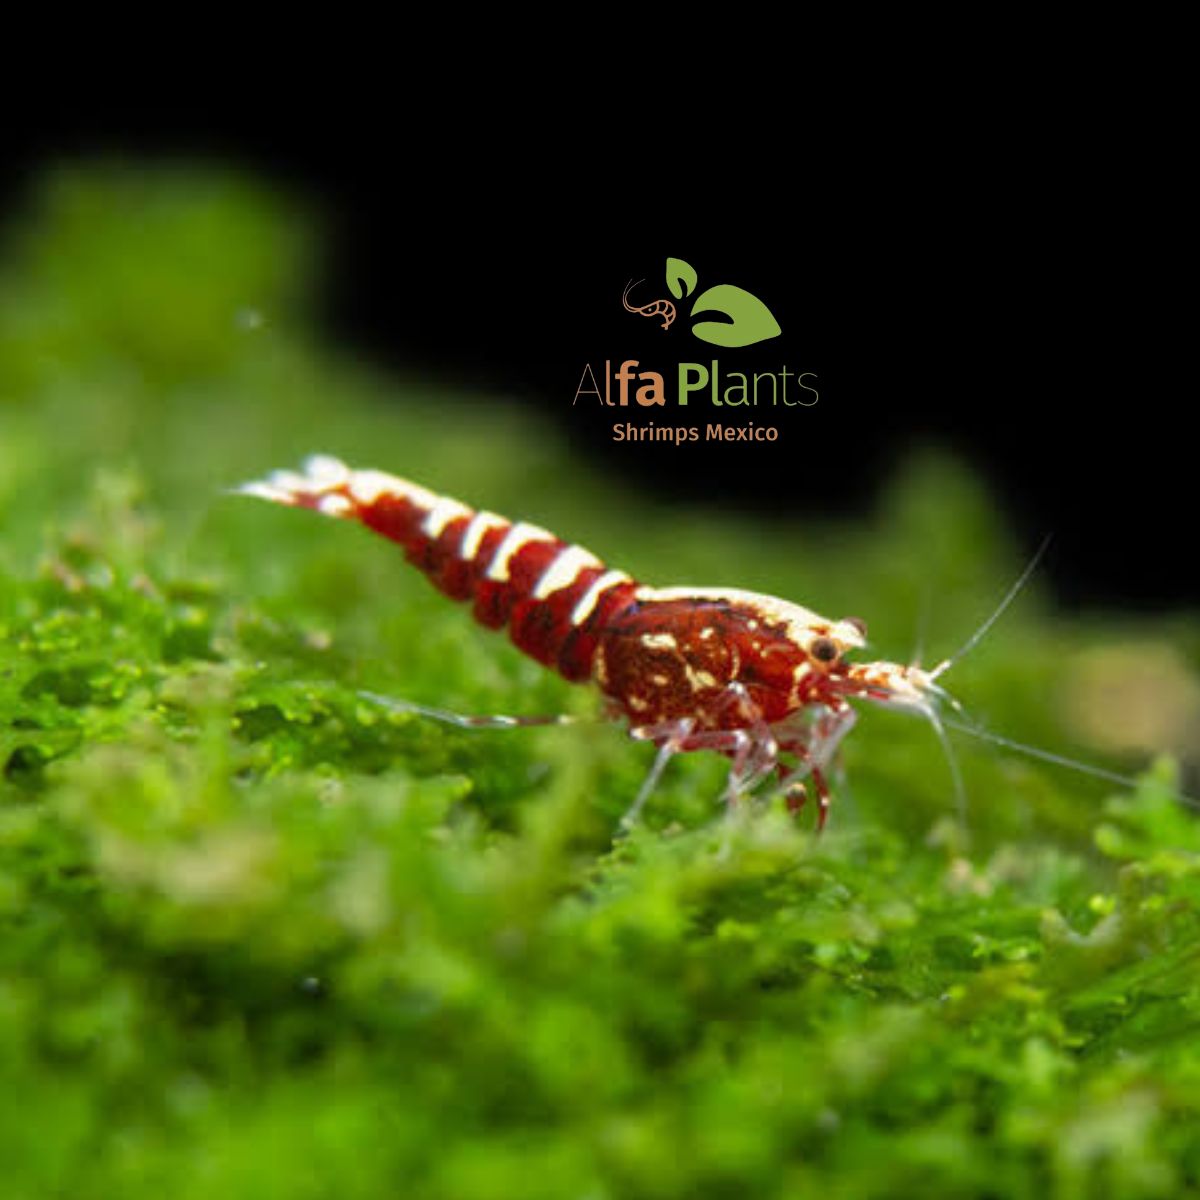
260,938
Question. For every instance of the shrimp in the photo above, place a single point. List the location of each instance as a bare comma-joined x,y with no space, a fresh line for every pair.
760,680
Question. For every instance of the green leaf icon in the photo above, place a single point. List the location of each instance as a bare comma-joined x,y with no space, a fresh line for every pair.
752,319
681,278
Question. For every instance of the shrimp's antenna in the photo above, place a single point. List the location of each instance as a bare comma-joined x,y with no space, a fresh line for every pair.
960,790
464,721
625,294
922,623
997,613
1059,760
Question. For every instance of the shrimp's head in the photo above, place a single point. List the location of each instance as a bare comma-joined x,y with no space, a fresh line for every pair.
894,685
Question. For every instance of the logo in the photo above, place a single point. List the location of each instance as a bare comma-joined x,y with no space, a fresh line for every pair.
749,319
733,318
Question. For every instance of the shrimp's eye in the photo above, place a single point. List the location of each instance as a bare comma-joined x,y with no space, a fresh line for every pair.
823,649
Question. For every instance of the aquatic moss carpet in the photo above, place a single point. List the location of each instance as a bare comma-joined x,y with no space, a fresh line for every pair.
260,938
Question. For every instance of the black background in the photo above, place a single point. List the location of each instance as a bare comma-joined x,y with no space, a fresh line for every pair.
1005,309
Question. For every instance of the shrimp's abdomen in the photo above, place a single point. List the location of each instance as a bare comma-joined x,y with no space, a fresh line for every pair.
554,597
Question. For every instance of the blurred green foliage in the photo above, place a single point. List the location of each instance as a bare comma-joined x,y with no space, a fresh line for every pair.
259,938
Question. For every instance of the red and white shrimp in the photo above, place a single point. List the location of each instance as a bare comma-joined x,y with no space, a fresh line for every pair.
760,680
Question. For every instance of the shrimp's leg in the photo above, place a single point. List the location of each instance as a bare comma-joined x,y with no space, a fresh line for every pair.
814,748
828,734
671,738
752,747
